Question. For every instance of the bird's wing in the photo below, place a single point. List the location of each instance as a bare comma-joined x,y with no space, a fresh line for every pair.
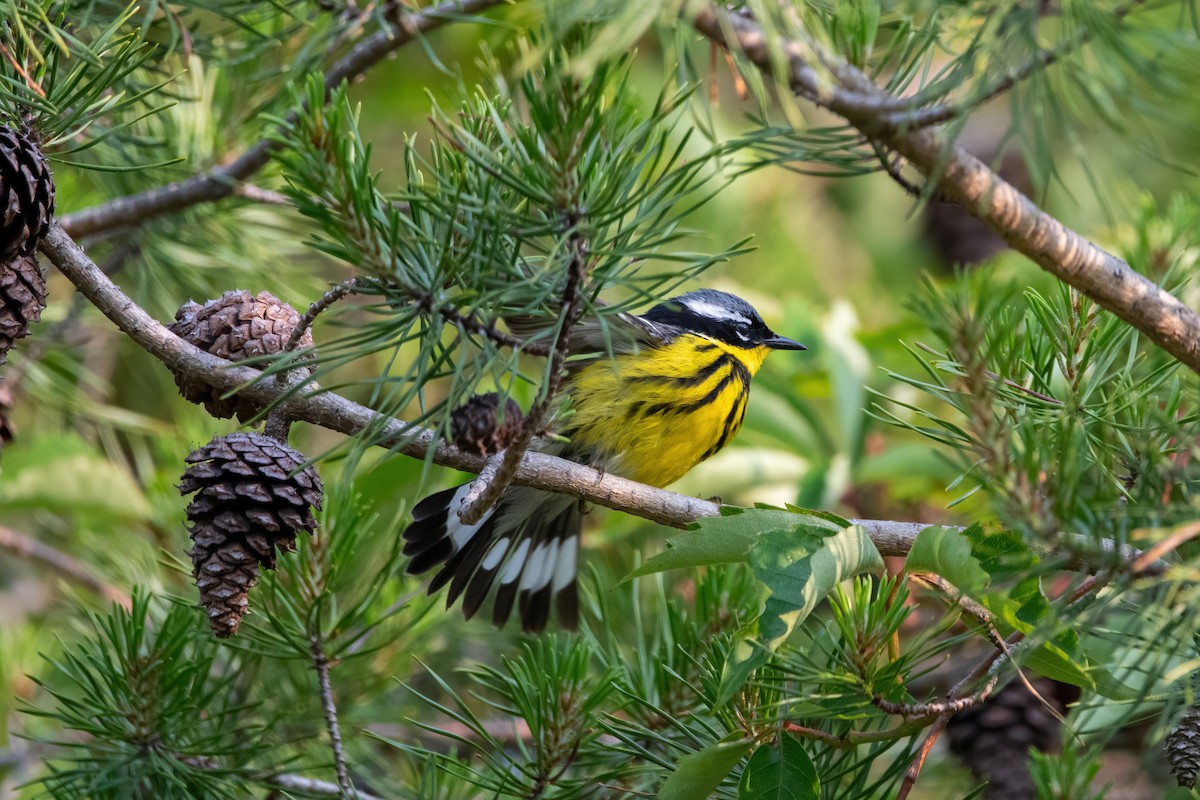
620,333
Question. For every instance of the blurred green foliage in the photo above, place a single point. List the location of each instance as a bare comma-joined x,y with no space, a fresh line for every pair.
990,396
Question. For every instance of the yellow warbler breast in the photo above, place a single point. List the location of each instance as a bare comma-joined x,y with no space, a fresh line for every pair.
653,415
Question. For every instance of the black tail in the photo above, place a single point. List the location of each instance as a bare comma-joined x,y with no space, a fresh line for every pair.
528,544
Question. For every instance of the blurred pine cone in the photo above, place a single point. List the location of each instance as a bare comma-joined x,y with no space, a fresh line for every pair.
958,238
248,502
994,737
22,298
236,326
475,426
1183,747
26,195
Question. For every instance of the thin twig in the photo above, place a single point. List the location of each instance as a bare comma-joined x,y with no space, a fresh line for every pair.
336,413
336,293
917,117
1152,555
279,425
321,664
25,546
220,182
934,709
984,617
297,783
492,490
472,324
853,739
914,769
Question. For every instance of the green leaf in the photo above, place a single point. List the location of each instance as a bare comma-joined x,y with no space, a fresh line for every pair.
722,540
699,774
1064,660
780,772
947,552
800,567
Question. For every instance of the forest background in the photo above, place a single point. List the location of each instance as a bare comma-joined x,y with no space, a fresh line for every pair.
108,668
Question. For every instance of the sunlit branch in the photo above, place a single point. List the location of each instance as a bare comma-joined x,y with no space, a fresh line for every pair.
969,182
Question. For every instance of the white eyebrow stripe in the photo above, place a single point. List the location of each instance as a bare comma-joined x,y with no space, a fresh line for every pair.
711,311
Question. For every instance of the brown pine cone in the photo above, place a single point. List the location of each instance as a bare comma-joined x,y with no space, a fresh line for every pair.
22,298
248,502
236,326
1183,747
994,737
26,195
475,426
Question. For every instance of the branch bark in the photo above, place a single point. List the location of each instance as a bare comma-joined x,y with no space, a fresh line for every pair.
965,180
337,413
223,181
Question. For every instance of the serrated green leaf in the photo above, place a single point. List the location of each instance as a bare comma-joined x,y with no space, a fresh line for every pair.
800,566
699,774
947,552
1003,553
780,771
722,540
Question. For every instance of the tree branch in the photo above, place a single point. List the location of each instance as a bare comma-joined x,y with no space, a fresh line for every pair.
336,413
967,181
72,569
321,663
220,182
496,477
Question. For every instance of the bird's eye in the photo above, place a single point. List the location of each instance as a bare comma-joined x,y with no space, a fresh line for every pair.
742,333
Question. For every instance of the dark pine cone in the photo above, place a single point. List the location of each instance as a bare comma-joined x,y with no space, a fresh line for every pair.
475,426
22,298
248,502
236,326
26,195
1183,747
994,737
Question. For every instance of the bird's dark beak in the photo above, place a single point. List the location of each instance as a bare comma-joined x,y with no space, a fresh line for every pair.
783,343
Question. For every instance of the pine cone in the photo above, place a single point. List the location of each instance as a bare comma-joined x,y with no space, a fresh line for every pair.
26,195
22,298
474,426
237,326
247,503
1183,747
994,737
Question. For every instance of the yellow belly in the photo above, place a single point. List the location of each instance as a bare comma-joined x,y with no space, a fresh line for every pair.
653,415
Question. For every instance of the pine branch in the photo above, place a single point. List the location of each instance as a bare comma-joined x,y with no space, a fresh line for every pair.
321,664
487,490
918,117
221,182
969,182
298,783
336,413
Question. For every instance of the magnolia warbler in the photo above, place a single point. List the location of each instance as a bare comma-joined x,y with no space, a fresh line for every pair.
651,397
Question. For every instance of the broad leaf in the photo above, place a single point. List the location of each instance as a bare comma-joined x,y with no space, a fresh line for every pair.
780,772
947,552
722,540
699,774
800,567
